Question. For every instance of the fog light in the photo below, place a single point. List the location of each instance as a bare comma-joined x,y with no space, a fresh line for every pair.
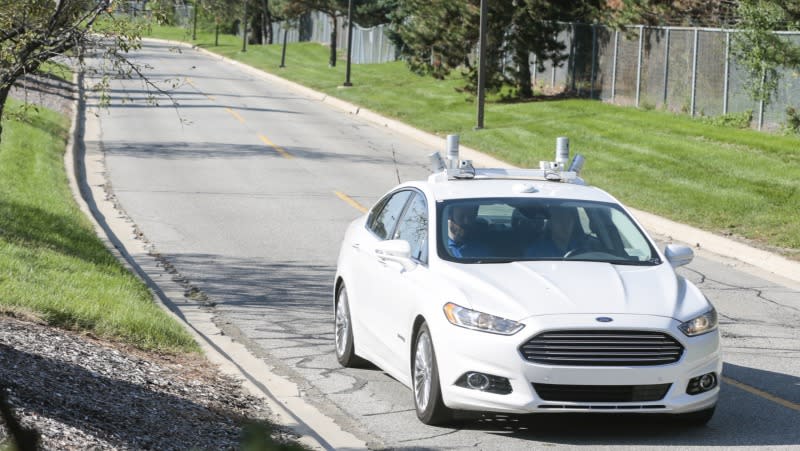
485,382
701,384
708,381
477,381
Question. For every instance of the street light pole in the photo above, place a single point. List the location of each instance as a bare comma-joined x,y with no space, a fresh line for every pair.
285,35
194,26
349,41
244,28
482,64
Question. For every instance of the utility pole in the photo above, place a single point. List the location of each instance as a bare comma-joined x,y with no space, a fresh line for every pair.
349,42
244,28
194,26
285,36
482,64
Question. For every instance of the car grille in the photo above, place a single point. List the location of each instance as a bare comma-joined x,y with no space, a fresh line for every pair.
601,393
602,348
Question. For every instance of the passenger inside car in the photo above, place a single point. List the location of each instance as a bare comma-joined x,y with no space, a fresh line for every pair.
466,232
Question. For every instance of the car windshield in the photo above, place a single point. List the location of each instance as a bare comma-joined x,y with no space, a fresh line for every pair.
518,229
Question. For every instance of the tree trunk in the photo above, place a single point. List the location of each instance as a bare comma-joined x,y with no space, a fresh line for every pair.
3,96
334,32
524,73
268,18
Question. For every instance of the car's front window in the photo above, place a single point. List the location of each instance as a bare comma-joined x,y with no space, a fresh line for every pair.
514,229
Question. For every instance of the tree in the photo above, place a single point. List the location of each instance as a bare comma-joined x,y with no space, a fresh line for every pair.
535,25
332,8
222,13
697,13
437,36
759,49
366,13
35,31
261,22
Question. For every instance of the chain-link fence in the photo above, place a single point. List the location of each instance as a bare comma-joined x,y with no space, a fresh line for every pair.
691,70
370,45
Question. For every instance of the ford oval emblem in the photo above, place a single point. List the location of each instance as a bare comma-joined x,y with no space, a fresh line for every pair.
604,319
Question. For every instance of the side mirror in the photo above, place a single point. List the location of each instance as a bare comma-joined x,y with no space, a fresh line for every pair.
678,255
398,251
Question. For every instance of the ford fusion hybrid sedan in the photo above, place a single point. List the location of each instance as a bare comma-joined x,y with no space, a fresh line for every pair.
523,291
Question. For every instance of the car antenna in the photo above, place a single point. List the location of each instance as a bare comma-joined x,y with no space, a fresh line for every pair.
396,168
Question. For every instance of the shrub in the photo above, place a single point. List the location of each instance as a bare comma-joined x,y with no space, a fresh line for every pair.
735,120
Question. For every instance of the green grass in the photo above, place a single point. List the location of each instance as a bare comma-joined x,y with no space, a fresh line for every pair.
52,265
726,180
57,70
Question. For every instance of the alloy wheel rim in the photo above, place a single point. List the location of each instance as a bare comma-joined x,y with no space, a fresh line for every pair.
342,324
422,371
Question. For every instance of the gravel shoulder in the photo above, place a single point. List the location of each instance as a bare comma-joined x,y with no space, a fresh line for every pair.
80,392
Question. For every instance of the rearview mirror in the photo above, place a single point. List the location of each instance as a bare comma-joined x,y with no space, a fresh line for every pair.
678,255
398,251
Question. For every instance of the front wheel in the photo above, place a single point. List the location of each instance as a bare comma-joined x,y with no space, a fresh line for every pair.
427,391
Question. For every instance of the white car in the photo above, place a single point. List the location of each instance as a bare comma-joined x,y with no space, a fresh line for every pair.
523,291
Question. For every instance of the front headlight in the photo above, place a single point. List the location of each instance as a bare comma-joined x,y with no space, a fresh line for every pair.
483,322
702,324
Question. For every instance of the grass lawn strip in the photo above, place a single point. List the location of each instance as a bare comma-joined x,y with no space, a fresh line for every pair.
52,265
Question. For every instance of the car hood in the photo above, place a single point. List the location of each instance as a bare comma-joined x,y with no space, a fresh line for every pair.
520,290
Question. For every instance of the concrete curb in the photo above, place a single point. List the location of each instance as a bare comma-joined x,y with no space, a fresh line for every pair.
724,247
85,167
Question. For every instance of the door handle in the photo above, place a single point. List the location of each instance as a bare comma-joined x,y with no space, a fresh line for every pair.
356,246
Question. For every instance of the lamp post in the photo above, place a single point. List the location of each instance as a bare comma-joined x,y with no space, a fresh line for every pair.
283,51
349,41
244,28
482,65
194,25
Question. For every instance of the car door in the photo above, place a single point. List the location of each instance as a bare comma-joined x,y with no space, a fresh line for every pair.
401,286
369,270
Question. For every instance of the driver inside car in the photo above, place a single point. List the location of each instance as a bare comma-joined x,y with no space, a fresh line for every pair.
561,236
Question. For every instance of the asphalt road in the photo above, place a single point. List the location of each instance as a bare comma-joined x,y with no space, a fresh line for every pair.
246,188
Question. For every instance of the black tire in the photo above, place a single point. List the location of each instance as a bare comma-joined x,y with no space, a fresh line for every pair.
697,419
425,381
344,344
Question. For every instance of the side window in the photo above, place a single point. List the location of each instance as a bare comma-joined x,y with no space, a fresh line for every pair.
633,240
413,227
384,221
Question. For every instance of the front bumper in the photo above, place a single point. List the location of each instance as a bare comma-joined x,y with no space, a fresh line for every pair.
460,351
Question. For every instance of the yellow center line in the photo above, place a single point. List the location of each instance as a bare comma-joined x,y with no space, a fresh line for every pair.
277,148
352,202
235,114
752,390
191,82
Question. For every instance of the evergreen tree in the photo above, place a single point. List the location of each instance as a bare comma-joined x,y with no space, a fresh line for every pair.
437,36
